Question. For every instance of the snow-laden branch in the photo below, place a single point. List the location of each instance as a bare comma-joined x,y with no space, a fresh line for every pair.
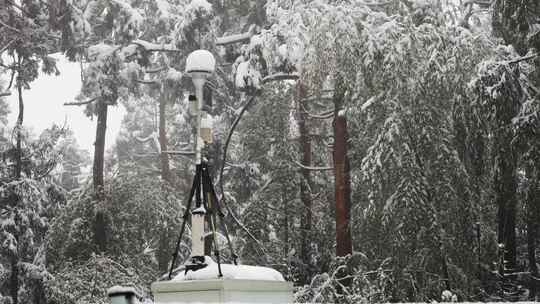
258,192
524,58
325,95
324,115
187,152
279,77
144,139
481,3
152,137
316,98
235,165
101,49
311,168
172,74
379,4
156,70
255,197
154,47
233,38
243,37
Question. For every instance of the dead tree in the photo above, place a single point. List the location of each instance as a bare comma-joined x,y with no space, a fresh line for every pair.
163,143
342,176
305,184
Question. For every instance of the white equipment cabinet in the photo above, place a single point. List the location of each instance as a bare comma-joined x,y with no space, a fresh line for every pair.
222,291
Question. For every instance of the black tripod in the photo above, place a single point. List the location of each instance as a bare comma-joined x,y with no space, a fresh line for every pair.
203,191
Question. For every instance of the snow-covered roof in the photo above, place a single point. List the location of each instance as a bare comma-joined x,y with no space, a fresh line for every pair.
238,272
122,290
200,61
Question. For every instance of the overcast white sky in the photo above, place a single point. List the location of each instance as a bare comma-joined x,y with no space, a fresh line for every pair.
44,106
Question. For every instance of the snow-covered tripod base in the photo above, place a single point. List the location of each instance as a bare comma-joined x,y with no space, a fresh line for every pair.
206,202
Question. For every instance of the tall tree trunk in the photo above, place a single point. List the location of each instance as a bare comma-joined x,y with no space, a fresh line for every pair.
163,253
533,216
342,177
20,118
164,157
163,245
99,148
532,235
505,184
100,220
305,185
285,205
14,278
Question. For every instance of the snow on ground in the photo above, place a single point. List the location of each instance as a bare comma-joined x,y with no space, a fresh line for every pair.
238,272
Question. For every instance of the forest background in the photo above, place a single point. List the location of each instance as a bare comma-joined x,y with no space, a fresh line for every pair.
371,151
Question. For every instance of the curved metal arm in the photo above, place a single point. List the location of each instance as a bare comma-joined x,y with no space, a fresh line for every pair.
225,149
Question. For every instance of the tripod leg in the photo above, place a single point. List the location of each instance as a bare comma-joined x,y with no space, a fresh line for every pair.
198,199
196,181
229,242
213,227
207,182
222,219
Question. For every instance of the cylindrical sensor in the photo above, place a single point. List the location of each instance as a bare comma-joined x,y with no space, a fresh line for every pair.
206,128
197,231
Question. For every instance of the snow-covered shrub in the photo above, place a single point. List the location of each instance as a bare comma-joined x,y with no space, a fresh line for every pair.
88,282
351,279
143,219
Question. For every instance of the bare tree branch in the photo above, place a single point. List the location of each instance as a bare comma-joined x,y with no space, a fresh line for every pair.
81,102
19,8
4,94
11,28
146,81
11,79
311,168
7,45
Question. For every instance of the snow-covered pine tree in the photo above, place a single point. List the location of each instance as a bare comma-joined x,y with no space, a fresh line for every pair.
27,205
